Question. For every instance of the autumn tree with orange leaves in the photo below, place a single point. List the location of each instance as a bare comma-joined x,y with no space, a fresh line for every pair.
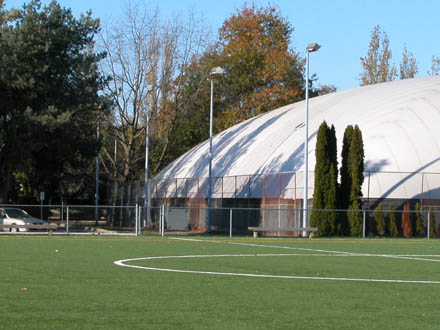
263,71
407,222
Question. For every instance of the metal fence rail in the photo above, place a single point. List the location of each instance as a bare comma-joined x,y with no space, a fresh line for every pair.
236,221
80,219
136,220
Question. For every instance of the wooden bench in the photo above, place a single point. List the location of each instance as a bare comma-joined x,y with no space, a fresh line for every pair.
49,227
308,230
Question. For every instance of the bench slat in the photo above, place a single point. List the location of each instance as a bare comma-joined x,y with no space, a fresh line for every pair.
310,229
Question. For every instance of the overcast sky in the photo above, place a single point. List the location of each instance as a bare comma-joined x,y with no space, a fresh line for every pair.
341,27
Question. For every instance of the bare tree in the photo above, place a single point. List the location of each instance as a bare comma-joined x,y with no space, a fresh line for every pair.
376,65
408,67
435,67
146,58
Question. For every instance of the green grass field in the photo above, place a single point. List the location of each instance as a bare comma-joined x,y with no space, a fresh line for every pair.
73,283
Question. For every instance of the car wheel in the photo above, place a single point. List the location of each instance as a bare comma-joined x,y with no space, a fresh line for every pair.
14,230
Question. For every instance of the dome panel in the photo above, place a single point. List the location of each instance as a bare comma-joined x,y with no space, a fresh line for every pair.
399,123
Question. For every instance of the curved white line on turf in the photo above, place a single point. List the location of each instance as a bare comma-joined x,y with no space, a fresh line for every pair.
122,263
394,256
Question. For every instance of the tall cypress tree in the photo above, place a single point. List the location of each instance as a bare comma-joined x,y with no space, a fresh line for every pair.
345,187
431,223
326,188
332,196
318,219
392,222
420,229
380,221
356,171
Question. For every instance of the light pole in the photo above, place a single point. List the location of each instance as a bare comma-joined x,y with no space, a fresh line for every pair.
215,71
147,133
147,142
97,171
313,47
97,183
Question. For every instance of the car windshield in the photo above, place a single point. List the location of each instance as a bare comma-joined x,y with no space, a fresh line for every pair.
17,213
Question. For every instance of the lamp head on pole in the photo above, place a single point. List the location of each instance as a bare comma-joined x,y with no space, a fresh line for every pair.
313,47
217,70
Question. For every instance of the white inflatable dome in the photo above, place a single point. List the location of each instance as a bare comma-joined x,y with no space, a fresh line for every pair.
400,123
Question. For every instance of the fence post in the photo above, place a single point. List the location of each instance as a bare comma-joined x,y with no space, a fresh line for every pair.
162,220
136,215
363,224
144,218
230,222
139,219
429,224
67,220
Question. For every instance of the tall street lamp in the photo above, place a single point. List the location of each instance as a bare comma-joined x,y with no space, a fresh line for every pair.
147,139
215,71
313,47
97,171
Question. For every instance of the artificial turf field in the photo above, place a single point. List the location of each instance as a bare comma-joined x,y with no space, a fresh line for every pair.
73,283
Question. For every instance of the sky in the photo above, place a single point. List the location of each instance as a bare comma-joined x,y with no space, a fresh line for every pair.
342,28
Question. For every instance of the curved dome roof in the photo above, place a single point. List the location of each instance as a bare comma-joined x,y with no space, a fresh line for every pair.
400,124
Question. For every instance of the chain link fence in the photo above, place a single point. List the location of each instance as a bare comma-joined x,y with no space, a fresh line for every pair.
285,221
287,186
289,221
78,219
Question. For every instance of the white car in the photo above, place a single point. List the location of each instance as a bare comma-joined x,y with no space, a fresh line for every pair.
15,216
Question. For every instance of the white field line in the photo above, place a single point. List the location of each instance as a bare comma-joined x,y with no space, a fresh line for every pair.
122,263
409,257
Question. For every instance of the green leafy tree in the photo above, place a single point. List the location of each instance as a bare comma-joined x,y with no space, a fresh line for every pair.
326,188
49,87
380,220
407,223
392,223
191,124
322,90
356,172
377,65
420,229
